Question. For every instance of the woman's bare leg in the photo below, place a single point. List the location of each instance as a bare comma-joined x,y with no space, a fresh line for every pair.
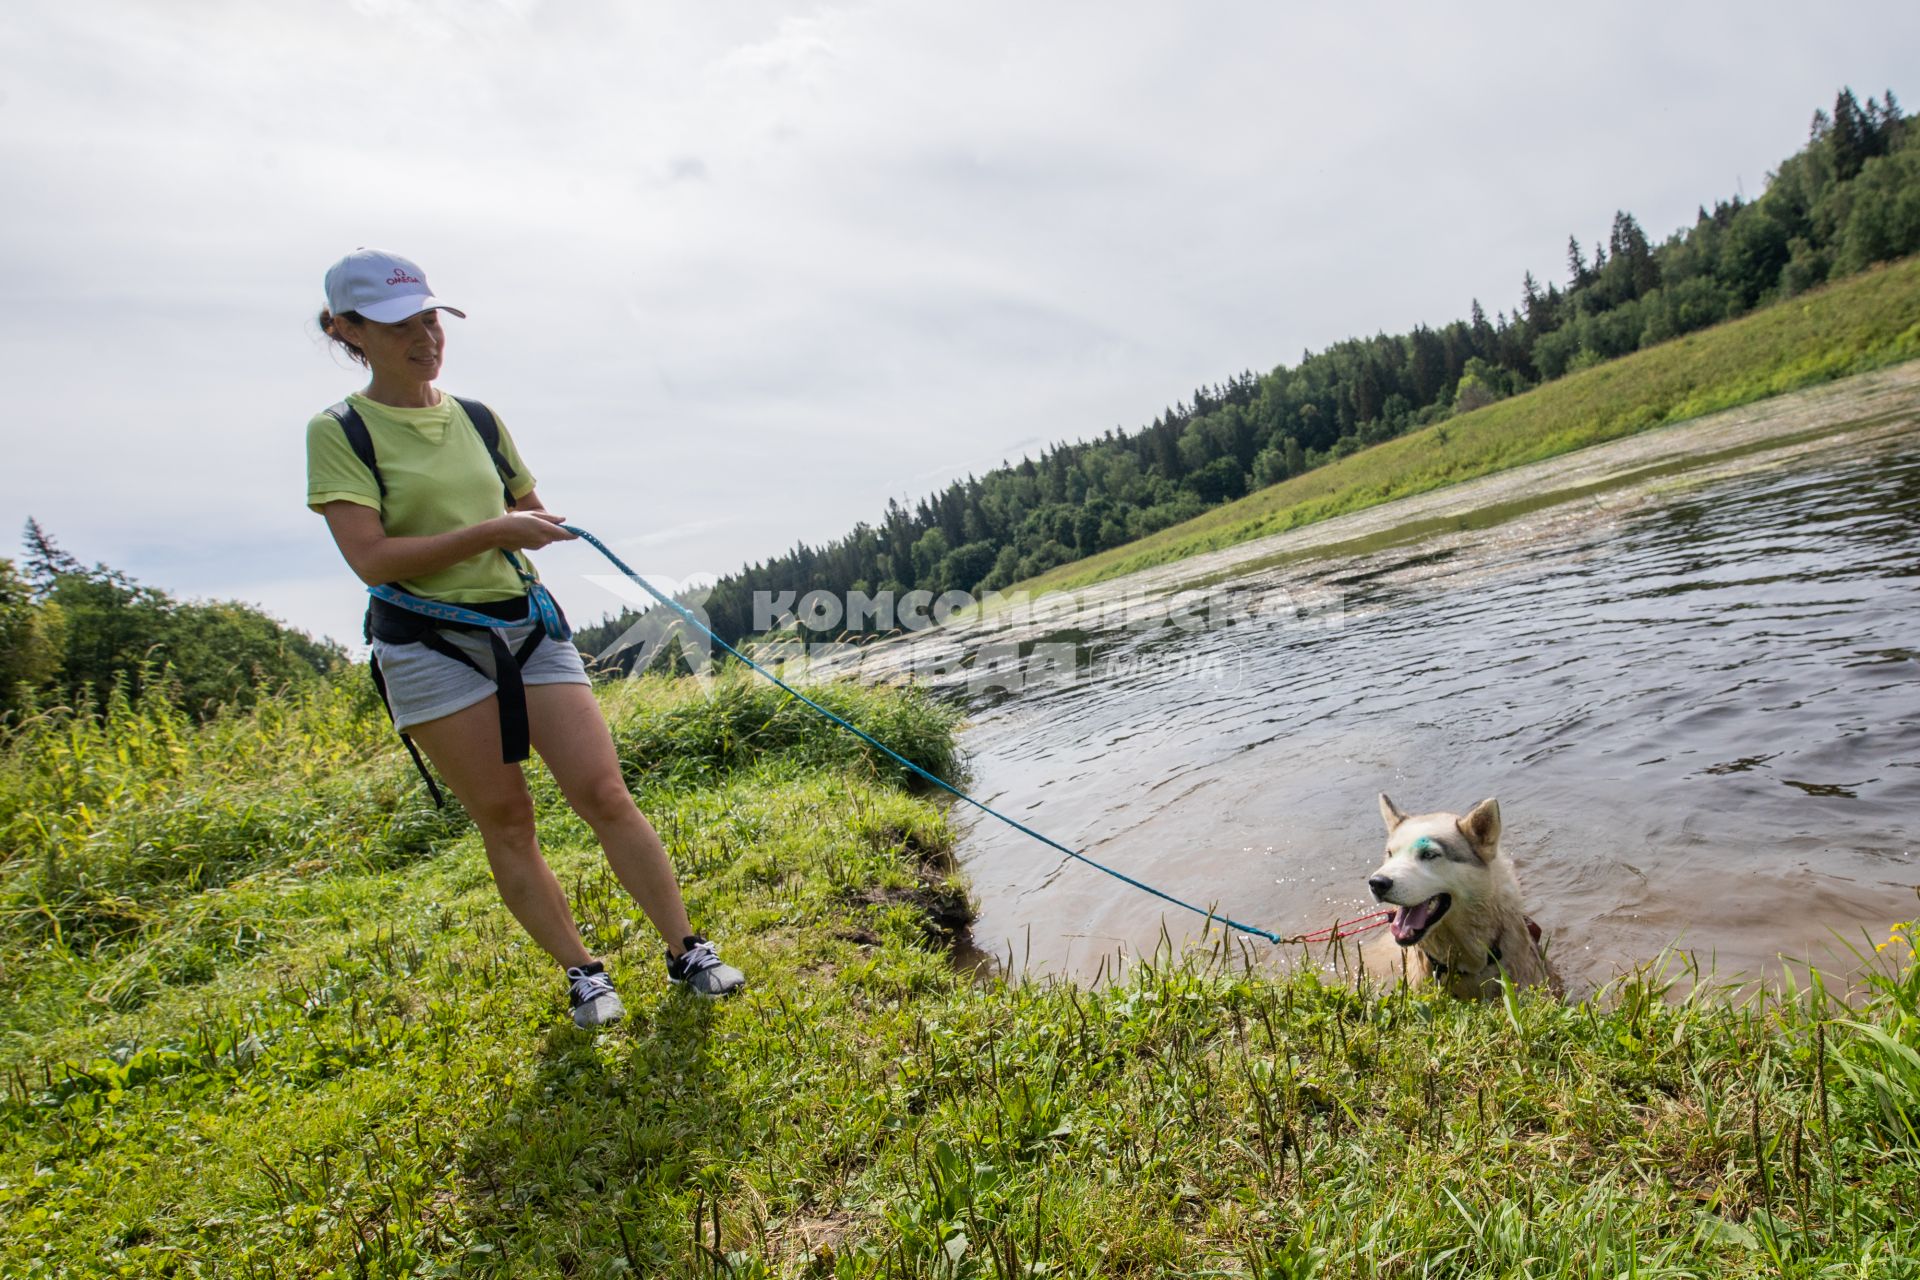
570,733
465,748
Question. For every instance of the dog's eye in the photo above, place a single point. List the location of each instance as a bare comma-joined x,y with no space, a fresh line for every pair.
1426,851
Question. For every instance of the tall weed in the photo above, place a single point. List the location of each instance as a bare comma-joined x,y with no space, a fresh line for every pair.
109,819
683,732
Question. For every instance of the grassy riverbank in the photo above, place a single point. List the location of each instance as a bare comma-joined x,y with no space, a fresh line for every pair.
265,1016
1866,322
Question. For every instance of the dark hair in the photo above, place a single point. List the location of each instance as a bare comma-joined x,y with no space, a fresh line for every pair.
328,327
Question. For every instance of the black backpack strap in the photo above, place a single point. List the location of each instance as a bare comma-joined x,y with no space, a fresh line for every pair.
488,428
358,438
484,423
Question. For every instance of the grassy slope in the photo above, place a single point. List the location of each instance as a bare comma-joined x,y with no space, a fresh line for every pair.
327,1051
1863,323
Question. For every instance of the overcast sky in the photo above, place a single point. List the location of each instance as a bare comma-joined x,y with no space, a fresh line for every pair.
737,273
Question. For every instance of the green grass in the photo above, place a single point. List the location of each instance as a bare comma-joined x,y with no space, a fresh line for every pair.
295,1033
1863,323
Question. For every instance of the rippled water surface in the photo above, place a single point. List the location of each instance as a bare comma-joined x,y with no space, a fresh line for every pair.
1698,702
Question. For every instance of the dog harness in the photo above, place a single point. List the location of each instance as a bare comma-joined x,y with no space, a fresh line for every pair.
396,617
1443,969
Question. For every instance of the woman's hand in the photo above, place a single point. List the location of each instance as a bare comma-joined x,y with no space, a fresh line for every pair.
528,530
377,558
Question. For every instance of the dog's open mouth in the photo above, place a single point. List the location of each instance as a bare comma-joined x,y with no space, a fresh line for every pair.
1412,923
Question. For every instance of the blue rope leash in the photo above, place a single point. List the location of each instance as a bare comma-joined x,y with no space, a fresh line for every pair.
901,760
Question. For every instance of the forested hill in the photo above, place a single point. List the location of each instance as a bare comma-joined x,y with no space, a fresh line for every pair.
1848,199
79,638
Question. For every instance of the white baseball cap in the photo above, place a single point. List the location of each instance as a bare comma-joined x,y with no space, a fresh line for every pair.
381,286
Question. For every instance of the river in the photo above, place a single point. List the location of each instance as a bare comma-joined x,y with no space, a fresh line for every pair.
1686,663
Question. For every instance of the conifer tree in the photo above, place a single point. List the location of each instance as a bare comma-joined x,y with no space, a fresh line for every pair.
46,563
1577,277
1851,137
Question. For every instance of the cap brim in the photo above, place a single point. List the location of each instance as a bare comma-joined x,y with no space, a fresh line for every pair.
394,310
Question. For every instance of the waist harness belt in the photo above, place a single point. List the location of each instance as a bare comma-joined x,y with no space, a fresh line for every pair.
395,617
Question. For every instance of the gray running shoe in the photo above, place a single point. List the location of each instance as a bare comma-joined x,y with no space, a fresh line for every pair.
591,995
699,969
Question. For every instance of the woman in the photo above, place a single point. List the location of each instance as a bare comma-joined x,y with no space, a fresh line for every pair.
445,514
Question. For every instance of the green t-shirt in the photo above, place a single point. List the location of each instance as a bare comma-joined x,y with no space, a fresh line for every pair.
439,478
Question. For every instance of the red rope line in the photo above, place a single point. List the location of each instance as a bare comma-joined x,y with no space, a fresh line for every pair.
1345,928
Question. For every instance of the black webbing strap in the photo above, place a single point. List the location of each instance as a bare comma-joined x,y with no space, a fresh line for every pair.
433,788
516,736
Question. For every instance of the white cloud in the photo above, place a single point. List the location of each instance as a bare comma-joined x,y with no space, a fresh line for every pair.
739,273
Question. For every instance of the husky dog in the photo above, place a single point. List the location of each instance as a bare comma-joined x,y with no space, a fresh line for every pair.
1459,917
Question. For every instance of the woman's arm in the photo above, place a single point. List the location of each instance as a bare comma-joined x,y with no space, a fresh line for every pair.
378,558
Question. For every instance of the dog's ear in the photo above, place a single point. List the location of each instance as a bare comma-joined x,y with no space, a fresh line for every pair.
1482,827
1390,813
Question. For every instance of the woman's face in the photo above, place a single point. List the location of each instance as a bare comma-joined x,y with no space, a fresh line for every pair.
409,351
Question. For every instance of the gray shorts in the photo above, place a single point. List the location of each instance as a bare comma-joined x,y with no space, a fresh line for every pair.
423,685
